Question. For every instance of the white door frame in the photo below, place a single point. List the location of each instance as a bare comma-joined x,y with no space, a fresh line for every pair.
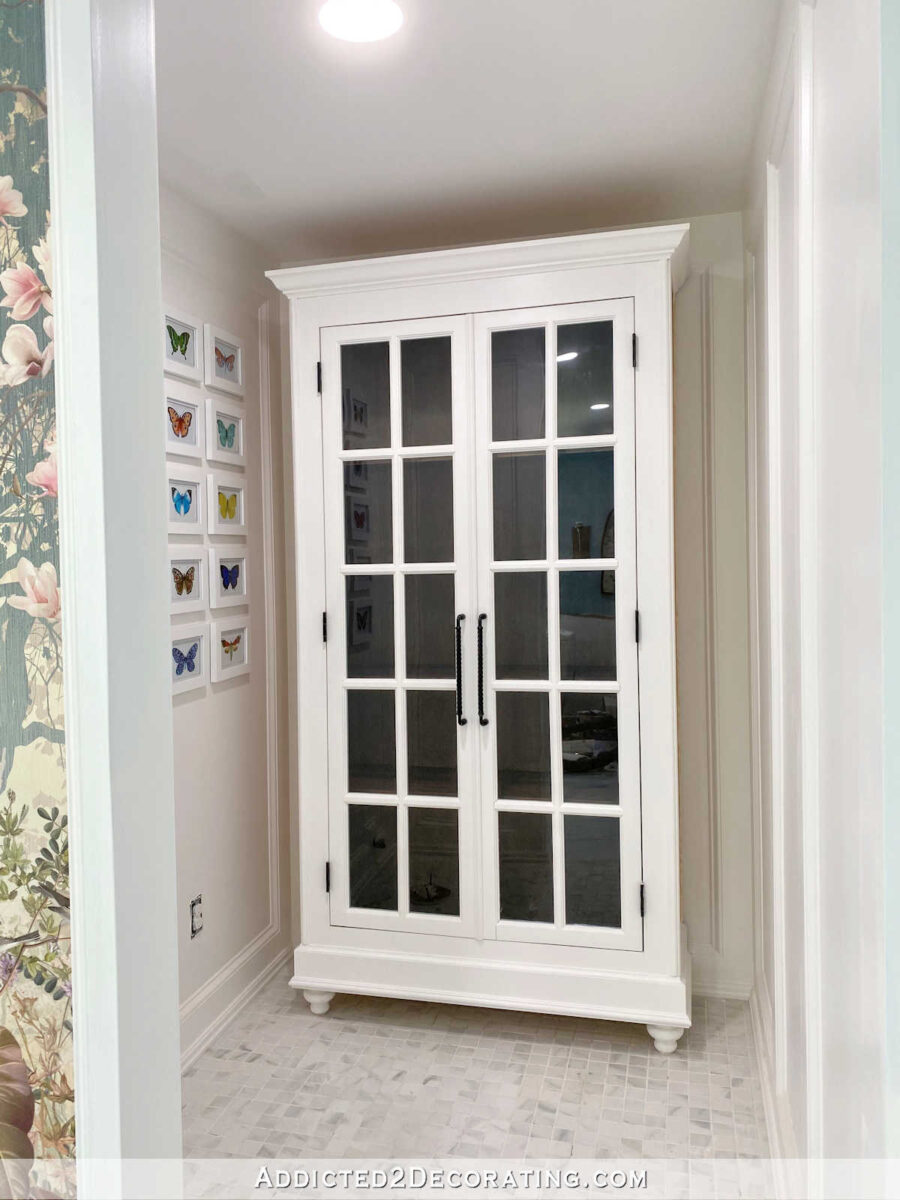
102,113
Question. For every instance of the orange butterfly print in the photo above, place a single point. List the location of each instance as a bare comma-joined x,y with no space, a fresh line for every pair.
180,424
230,647
224,360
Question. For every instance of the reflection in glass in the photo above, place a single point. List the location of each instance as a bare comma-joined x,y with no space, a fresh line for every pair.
526,866
368,519
428,510
586,498
587,626
520,616
590,748
431,743
584,379
371,742
429,627
520,523
370,626
593,871
434,860
518,379
427,393
373,856
366,395
523,745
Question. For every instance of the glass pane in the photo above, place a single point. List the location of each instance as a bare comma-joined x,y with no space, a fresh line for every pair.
593,871
520,615
430,648
428,510
520,522
526,866
370,626
518,378
431,743
368,519
584,379
427,394
366,395
523,745
586,499
587,626
371,746
590,748
434,860
373,856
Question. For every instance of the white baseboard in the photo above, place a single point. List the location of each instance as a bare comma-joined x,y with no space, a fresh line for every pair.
722,989
779,1126
192,1052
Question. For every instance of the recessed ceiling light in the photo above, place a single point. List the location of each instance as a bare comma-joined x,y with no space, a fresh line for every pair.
360,20
597,407
567,357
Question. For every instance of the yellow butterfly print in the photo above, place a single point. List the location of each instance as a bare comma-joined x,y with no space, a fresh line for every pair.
228,506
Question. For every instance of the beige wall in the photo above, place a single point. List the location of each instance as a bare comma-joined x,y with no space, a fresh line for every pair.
230,768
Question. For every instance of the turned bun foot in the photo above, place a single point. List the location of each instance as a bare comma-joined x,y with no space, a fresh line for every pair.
319,1002
665,1037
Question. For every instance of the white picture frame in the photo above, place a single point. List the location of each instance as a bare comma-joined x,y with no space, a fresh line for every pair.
185,418
226,416
229,664
186,362
182,560
235,592
217,372
184,480
182,640
227,484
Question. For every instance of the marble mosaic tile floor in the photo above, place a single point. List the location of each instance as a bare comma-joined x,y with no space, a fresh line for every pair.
401,1079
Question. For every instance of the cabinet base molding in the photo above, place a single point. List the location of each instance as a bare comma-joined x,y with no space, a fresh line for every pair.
661,1002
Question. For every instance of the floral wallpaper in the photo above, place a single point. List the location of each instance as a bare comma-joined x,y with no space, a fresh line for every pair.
36,1077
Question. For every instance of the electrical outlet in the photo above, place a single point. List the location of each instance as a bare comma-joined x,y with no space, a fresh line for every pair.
196,915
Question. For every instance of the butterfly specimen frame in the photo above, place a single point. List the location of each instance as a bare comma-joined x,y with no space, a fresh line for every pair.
189,657
185,501
226,495
225,432
224,360
228,576
187,576
182,337
230,641
185,419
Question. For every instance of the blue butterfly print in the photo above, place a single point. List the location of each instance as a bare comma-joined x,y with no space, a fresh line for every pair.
185,661
182,500
230,575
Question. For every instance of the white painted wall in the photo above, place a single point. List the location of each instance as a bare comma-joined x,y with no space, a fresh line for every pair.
812,229
230,769
712,629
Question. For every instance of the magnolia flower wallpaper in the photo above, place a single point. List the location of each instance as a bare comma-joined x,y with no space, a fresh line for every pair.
36,1078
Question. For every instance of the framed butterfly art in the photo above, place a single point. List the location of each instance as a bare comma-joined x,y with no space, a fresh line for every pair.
185,502
228,576
224,361
184,419
230,644
225,432
182,345
227,502
186,572
189,657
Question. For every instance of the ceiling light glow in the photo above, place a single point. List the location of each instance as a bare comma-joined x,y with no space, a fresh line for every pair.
360,20
567,357
598,407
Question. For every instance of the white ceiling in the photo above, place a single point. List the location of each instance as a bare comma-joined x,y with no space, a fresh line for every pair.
481,120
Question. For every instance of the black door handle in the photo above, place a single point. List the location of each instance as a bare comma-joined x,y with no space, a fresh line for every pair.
460,719
482,719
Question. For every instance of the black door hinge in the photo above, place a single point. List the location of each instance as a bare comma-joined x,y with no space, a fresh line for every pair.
319,378
637,626
324,626
633,351
328,879
642,899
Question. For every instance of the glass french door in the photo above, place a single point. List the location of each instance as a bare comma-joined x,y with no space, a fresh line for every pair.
482,662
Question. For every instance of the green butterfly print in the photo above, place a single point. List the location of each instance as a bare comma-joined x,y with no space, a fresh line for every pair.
179,341
226,434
